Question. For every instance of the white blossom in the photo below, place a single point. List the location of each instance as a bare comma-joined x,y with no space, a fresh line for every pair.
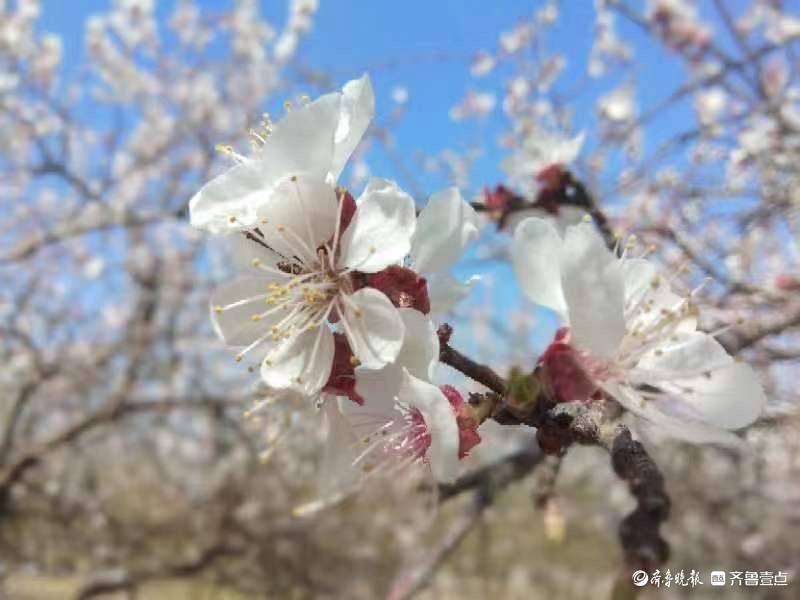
302,277
405,417
445,227
632,336
538,151
313,141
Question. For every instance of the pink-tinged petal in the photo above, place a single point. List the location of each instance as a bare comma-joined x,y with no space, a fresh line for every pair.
302,362
230,201
446,291
357,110
299,218
468,436
233,305
591,279
445,227
380,233
440,420
374,328
535,256
302,142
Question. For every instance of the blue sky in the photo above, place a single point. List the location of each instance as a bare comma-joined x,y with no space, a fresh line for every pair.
424,46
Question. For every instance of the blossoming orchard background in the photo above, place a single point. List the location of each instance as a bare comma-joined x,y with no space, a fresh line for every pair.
131,464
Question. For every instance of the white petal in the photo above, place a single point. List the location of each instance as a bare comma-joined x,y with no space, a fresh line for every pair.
445,227
379,387
374,328
639,275
357,110
730,397
445,291
302,362
535,256
663,422
302,141
381,229
250,254
230,201
594,291
300,217
683,355
419,354
420,351
440,420
339,452
235,325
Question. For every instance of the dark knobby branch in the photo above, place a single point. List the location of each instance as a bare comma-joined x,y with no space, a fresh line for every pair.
559,426
567,191
474,370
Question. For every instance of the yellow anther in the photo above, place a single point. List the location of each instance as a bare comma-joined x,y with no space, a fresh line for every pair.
255,317
218,309
354,362
238,358
256,262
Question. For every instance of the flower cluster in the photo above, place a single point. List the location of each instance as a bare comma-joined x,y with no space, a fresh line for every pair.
627,334
335,294
335,297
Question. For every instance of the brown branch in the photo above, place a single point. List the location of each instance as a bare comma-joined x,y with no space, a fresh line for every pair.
472,369
593,423
119,580
496,475
417,576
